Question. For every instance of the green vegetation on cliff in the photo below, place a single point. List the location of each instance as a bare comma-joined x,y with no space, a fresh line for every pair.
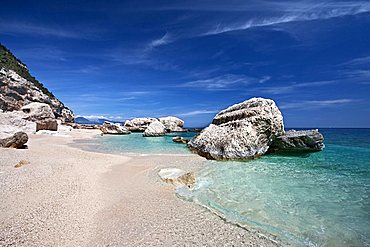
10,62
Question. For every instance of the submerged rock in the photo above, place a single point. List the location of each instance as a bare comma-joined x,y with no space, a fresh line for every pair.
154,129
18,140
179,139
242,131
139,124
172,124
298,141
177,177
114,129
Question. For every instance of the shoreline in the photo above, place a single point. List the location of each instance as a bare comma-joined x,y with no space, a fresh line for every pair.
68,196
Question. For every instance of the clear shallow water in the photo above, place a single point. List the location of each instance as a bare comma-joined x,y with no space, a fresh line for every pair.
135,143
321,199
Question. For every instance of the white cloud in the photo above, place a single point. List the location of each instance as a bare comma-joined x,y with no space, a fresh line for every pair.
292,87
223,82
278,12
162,41
15,27
315,103
198,112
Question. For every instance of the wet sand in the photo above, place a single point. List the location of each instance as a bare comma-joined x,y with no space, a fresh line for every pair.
68,196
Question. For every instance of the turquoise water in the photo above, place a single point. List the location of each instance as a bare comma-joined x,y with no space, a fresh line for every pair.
135,143
321,199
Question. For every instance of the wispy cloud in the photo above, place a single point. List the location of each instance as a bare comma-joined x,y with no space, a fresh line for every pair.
315,103
162,41
293,87
316,12
358,61
198,112
23,28
223,82
278,12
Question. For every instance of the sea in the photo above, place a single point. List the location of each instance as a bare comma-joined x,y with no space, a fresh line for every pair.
316,199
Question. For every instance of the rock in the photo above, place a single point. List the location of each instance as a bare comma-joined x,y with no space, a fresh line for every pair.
67,116
242,131
37,111
12,122
172,124
177,177
16,141
154,129
114,129
139,124
298,141
22,163
179,139
47,124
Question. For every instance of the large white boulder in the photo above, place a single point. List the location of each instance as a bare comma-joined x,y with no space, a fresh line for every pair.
172,124
139,124
156,128
242,131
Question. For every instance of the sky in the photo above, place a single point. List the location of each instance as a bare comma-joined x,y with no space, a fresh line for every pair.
193,58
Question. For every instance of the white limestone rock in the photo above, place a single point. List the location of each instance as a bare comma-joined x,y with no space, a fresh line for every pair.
114,129
242,131
38,111
139,124
154,129
172,124
12,122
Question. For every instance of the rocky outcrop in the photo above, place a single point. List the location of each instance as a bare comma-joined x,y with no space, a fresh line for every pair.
139,124
42,114
18,88
177,177
37,111
172,124
298,141
154,129
18,140
179,139
242,131
114,129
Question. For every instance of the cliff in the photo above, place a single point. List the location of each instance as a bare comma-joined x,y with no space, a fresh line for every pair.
18,88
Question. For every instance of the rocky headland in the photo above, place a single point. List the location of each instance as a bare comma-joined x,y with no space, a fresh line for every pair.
25,104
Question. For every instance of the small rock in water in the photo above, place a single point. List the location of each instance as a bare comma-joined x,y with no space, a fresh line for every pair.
177,177
22,163
179,139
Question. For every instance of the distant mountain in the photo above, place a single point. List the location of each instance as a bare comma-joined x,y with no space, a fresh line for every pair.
82,120
18,88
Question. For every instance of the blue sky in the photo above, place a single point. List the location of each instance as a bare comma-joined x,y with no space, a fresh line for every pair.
124,59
